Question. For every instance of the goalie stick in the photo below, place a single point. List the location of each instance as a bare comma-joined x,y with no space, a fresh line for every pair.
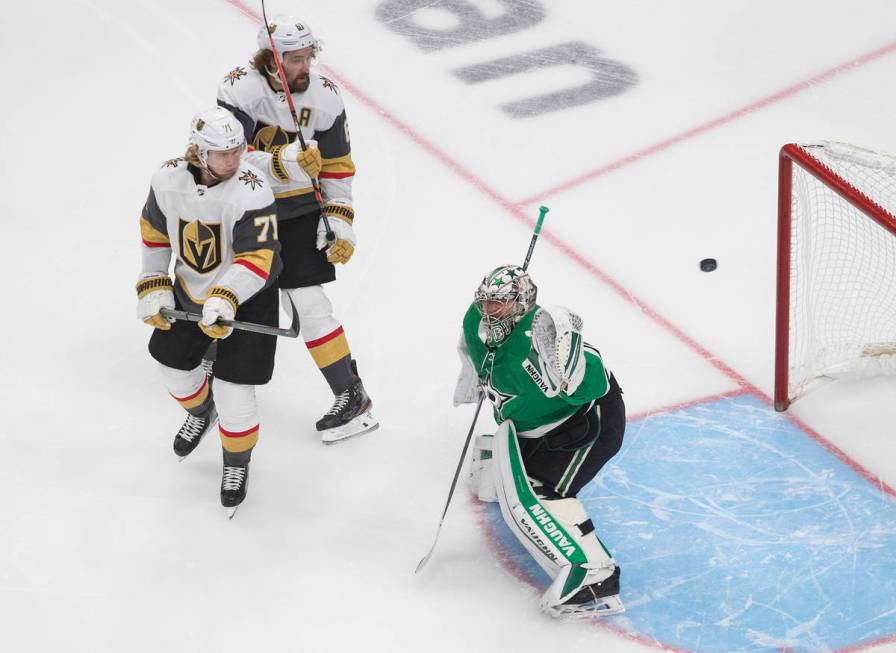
463,454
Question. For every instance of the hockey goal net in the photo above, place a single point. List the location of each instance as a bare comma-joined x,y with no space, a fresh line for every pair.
836,294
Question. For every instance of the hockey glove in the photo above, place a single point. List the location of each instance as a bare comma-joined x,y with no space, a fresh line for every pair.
309,159
557,339
467,390
221,303
153,294
341,216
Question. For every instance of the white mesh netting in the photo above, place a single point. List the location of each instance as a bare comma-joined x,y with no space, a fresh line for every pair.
843,270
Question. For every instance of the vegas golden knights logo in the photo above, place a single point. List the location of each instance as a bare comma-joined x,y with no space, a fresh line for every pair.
200,245
271,135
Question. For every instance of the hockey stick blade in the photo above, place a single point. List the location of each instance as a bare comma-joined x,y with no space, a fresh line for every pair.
460,464
291,332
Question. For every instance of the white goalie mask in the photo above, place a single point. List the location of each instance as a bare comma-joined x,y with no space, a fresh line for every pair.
215,130
289,33
505,295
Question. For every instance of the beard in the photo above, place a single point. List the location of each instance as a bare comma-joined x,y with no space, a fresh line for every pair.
300,83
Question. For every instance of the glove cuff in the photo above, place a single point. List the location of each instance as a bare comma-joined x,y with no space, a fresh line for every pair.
278,169
152,284
224,293
340,211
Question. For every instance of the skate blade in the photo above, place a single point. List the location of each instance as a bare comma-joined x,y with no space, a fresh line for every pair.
605,607
231,512
363,423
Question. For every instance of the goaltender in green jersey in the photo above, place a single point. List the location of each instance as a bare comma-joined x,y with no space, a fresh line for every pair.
561,417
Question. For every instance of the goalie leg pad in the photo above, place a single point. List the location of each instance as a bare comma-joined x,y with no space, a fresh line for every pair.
557,533
482,478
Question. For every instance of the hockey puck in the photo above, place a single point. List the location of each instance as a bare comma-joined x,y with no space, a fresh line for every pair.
708,264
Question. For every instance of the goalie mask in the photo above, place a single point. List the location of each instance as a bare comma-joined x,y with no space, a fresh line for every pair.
215,130
505,295
289,33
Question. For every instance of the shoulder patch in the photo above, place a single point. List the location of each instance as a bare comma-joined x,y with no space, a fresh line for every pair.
533,369
235,75
329,84
251,179
172,163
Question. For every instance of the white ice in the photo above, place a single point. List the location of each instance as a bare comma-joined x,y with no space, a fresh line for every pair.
107,544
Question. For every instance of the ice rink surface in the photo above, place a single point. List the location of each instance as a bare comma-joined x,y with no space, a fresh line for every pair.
650,129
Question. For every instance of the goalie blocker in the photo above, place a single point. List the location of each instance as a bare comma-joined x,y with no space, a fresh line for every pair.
561,417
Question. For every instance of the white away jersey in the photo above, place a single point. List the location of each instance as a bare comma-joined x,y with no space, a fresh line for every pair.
222,235
267,121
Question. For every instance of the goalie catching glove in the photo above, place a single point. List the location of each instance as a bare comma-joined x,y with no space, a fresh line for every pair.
557,338
221,303
153,294
341,215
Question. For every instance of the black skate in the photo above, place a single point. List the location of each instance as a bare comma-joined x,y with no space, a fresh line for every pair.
349,415
234,482
193,430
596,600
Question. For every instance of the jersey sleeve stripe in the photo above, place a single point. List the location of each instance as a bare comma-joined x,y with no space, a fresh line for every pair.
306,190
258,262
152,237
338,168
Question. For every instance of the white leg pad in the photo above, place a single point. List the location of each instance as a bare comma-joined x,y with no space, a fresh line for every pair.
548,529
314,308
481,477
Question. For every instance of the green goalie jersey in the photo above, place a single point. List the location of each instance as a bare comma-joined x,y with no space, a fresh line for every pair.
512,377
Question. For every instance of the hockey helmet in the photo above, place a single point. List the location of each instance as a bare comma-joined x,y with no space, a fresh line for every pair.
215,129
289,34
504,296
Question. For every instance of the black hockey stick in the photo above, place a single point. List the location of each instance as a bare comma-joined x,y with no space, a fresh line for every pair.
291,332
460,464
331,237
463,454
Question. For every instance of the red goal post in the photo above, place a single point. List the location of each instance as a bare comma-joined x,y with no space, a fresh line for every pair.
836,274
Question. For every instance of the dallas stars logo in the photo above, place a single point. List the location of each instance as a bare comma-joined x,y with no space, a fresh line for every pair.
251,179
328,84
172,163
498,398
234,75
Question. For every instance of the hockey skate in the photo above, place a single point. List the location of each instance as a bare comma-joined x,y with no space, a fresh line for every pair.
234,482
348,416
596,600
193,430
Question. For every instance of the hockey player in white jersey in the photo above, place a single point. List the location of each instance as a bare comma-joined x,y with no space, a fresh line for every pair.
214,213
561,418
255,94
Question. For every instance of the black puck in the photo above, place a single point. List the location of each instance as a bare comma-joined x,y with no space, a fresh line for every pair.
708,264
